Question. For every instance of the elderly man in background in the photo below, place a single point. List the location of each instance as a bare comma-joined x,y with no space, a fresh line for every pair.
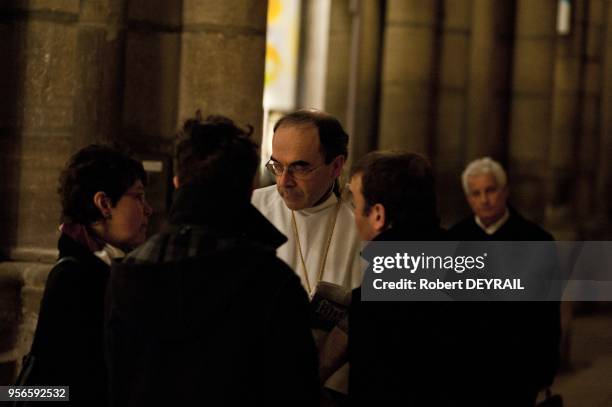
528,333
486,190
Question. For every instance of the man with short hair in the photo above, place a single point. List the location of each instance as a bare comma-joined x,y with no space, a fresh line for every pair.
528,332
485,185
398,351
309,149
205,312
437,353
393,194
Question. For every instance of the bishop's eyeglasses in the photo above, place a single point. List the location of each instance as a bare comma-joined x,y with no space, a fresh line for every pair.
295,170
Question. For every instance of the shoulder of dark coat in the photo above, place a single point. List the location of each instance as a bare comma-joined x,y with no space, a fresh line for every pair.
190,241
465,224
528,229
76,269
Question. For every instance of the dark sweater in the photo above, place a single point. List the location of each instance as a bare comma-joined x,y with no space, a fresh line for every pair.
206,313
516,228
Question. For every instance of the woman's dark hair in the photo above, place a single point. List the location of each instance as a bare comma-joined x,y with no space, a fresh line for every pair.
92,169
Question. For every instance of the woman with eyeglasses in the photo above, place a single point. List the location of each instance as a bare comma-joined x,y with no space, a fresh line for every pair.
104,215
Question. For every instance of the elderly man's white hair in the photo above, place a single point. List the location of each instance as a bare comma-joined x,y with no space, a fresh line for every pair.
482,166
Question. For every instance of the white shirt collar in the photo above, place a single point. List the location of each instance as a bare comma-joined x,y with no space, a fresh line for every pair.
491,229
109,253
329,202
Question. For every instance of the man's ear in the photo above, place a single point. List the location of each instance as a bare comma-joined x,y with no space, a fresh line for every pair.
377,217
176,182
337,165
103,203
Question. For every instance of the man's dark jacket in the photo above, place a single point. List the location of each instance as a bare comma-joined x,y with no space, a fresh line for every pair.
205,313
523,352
403,353
448,353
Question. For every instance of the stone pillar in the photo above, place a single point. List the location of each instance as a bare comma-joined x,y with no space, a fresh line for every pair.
223,59
490,61
587,203
36,121
37,76
531,113
566,129
446,144
410,75
338,59
565,142
100,51
604,168
353,71
313,53
368,70
152,64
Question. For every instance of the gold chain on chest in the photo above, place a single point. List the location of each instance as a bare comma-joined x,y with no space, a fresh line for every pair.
327,245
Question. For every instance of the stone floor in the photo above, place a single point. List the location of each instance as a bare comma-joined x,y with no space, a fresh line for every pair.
588,383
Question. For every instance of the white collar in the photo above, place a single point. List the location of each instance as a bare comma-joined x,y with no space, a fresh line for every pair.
109,253
491,229
328,203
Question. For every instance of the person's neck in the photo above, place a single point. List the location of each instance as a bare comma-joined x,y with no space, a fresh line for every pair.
88,236
487,223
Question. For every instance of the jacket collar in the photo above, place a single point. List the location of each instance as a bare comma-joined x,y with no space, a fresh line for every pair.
406,234
68,247
223,214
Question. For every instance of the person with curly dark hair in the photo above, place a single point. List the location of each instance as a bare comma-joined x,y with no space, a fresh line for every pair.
204,312
104,215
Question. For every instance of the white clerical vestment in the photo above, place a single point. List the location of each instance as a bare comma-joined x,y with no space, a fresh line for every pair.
342,266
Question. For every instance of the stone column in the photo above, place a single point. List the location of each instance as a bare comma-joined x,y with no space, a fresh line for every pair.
368,70
531,106
338,59
100,52
447,141
566,129
490,62
410,75
566,135
353,71
37,76
37,119
222,60
152,64
604,158
586,201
